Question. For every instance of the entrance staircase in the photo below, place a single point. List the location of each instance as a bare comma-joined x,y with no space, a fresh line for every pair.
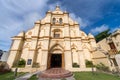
55,73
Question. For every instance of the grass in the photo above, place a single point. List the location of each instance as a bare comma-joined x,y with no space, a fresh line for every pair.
34,77
95,76
89,76
9,76
77,75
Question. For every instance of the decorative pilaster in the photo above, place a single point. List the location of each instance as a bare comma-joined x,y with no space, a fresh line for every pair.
68,59
44,60
15,51
81,59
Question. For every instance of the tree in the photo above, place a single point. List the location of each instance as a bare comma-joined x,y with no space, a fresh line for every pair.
102,35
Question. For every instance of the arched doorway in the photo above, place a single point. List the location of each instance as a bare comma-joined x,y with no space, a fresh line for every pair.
56,61
56,57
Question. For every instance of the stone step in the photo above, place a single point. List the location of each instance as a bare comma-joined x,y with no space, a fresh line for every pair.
55,73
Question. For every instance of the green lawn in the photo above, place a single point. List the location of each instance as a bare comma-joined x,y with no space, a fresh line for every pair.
77,75
95,76
9,76
34,77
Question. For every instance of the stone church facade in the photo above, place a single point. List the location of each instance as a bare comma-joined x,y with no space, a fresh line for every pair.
54,41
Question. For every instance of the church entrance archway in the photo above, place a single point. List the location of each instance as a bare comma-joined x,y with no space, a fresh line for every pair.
56,61
56,57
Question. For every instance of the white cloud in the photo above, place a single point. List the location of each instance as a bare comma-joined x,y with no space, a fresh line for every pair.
22,6
18,15
99,29
82,23
30,19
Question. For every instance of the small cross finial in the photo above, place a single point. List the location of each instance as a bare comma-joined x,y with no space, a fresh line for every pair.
57,7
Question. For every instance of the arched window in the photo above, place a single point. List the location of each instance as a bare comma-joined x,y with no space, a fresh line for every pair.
60,20
57,33
54,20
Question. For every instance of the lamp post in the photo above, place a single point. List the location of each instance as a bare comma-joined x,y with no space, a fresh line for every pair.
92,68
15,72
16,69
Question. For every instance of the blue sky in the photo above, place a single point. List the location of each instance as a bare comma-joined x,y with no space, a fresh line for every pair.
94,16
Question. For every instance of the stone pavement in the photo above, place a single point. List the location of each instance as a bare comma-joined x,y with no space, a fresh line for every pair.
51,74
27,76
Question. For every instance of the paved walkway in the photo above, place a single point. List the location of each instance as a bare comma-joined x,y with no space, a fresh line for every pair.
24,77
27,76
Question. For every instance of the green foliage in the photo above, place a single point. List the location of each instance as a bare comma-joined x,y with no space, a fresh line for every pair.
21,63
102,67
2,65
88,63
102,35
4,68
75,65
36,65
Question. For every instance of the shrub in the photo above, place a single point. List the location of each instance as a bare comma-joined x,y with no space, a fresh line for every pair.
21,63
102,67
4,67
88,63
75,65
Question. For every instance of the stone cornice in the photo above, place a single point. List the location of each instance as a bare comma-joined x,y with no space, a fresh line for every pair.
55,38
63,24
99,57
17,37
15,50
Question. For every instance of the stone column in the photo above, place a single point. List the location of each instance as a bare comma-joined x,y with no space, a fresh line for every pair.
67,53
68,60
44,60
81,59
15,51
45,45
34,41
32,52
